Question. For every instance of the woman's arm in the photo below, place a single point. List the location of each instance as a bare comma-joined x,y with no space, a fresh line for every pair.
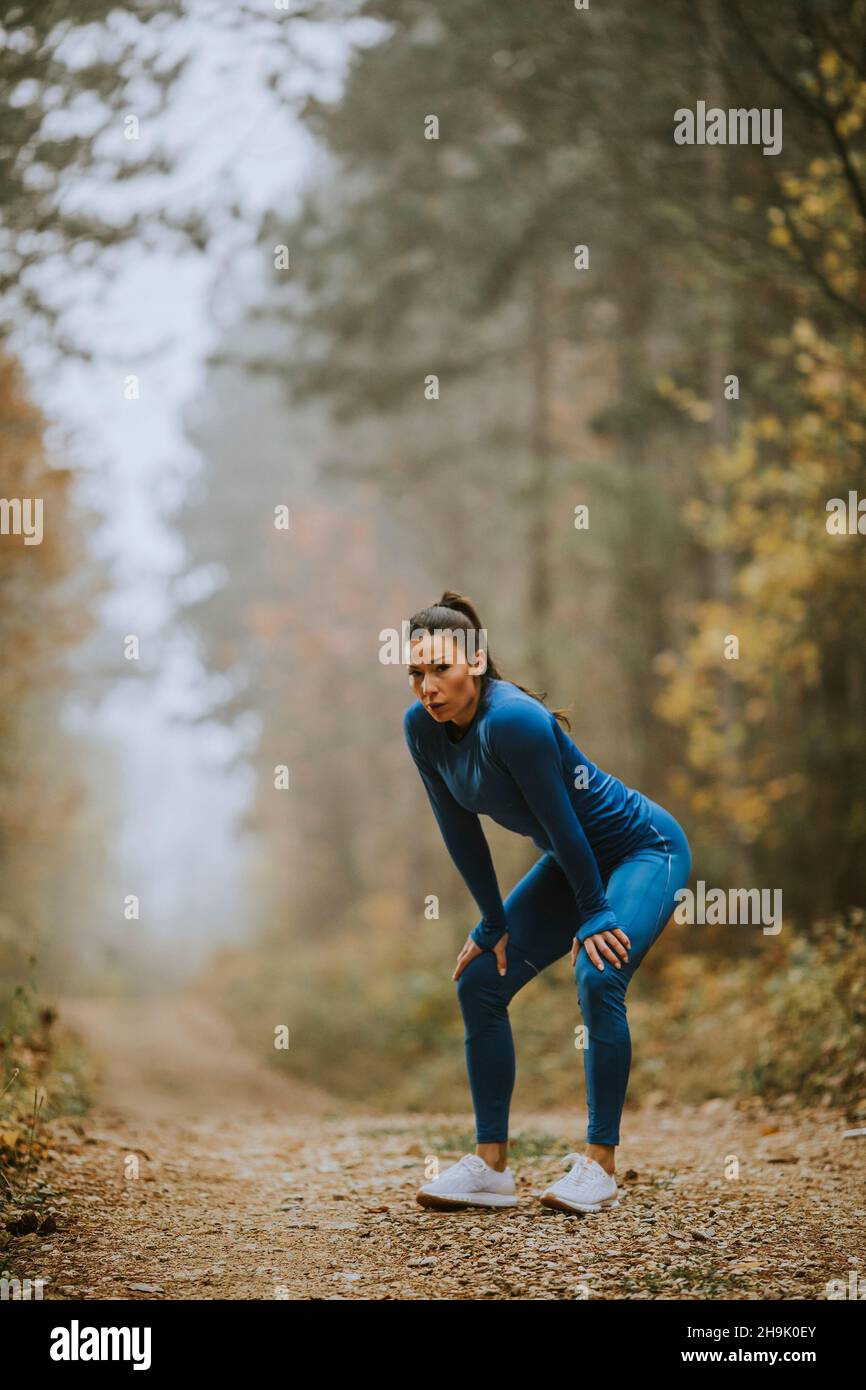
524,741
468,847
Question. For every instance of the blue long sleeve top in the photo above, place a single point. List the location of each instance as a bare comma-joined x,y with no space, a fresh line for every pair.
516,764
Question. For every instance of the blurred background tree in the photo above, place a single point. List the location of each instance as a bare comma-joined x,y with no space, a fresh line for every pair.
66,77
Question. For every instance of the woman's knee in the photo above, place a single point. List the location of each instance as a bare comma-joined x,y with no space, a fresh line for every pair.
596,988
480,986
477,982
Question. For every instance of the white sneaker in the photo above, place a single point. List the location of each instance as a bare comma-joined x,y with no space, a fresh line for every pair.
586,1187
470,1182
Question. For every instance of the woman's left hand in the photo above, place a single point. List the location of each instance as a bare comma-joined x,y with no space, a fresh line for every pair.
602,944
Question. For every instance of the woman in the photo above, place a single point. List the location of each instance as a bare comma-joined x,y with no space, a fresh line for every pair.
604,889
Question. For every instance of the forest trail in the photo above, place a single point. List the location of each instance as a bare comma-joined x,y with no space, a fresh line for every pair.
202,1173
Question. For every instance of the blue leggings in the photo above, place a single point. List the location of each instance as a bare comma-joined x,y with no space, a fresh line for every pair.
542,919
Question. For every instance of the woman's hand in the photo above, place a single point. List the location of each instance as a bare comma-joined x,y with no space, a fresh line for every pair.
603,943
471,950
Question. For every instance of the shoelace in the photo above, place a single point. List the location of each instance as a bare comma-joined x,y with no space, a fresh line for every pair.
474,1162
580,1174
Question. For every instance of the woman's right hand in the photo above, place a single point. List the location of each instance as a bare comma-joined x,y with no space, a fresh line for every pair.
471,949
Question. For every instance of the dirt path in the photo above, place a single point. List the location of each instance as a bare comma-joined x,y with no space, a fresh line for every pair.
203,1174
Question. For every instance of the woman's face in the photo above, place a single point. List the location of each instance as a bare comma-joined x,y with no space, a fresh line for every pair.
441,677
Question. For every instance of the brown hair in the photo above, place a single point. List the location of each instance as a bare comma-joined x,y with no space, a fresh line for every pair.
456,611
